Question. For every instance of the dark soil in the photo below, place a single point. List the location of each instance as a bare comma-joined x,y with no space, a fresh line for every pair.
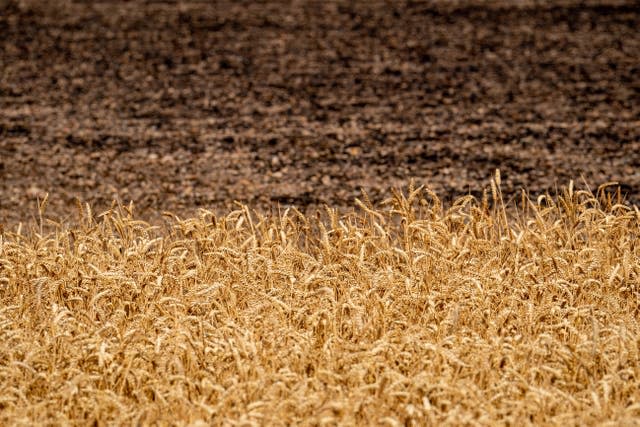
194,104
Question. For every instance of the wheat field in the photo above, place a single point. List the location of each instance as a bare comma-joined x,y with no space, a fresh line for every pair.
408,313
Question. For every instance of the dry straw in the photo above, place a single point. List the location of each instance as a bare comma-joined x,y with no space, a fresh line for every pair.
406,314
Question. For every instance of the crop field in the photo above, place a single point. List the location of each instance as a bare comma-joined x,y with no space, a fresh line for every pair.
409,313
319,213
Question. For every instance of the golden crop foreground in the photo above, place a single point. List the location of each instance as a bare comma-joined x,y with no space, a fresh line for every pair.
407,314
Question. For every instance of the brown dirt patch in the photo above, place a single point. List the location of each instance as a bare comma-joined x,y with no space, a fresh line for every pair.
195,104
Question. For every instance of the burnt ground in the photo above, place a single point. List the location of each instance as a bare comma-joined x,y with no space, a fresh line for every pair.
194,104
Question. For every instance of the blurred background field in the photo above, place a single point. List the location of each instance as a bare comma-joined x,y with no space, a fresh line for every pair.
182,105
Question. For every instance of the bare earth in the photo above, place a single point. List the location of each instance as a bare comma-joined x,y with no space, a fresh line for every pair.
194,104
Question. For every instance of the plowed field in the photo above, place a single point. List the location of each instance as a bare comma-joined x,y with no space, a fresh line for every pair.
180,105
